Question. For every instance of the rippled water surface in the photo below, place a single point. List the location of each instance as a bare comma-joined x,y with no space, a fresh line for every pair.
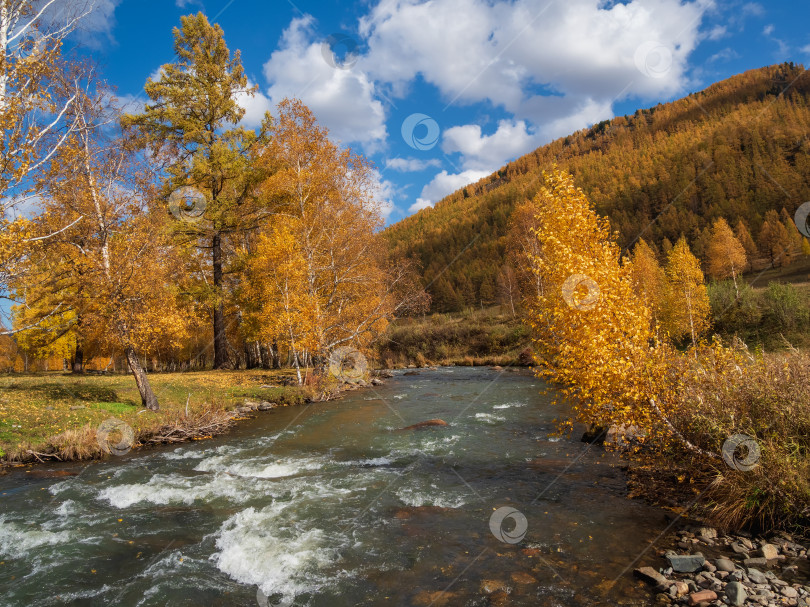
331,505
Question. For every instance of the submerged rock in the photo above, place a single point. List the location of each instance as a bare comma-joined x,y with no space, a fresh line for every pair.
426,424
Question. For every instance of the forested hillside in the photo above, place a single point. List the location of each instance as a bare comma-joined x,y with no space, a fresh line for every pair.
735,150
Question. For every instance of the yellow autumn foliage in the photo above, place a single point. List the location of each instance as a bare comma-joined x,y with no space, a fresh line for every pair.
592,332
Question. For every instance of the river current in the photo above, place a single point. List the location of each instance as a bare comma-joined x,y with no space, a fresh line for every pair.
331,505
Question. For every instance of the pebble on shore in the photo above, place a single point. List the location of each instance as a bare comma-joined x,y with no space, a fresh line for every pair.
744,572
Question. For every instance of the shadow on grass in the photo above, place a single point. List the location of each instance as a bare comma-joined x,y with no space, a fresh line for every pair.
66,392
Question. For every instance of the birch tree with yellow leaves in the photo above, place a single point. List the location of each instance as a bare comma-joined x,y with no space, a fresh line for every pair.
38,87
335,283
592,332
114,267
726,254
686,309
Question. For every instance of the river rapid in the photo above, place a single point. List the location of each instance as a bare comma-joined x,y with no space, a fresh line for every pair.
331,505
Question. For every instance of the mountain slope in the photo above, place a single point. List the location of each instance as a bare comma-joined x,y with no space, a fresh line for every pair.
735,150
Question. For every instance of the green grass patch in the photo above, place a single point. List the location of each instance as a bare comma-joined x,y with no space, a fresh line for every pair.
35,408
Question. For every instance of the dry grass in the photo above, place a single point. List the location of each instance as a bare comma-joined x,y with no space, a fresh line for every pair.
474,337
767,397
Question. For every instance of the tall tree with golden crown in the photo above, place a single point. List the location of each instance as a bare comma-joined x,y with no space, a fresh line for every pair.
192,122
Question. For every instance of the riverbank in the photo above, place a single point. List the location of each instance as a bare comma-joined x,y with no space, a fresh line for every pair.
476,337
700,565
56,416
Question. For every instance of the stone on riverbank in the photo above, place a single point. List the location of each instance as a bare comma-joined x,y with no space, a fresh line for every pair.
651,576
724,564
686,563
704,596
756,576
736,594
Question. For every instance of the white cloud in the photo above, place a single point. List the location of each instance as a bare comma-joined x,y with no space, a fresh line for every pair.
768,29
727,54
255,107
717,32
488,152
443,184
384,194
420,204
411,165
753,8
805,49
131,104
503,51
343,100
97,19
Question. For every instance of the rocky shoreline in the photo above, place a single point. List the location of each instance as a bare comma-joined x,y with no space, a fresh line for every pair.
705,568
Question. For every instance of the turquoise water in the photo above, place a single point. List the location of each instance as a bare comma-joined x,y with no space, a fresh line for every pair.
330,505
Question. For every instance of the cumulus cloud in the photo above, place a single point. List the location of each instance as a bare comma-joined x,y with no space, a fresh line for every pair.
551,67
501,51
420,204
343,100
411,165
443,184
488,152
255,107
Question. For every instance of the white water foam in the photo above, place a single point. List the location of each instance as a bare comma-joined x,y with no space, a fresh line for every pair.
166,489
509,405
16,539
431,497
259,468
490,418
265,549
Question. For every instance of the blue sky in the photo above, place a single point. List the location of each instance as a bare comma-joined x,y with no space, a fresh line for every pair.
440,93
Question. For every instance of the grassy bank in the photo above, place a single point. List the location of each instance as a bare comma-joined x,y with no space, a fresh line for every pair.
474,337
56,414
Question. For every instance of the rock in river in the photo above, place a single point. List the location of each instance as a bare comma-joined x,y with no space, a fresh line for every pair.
426,424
